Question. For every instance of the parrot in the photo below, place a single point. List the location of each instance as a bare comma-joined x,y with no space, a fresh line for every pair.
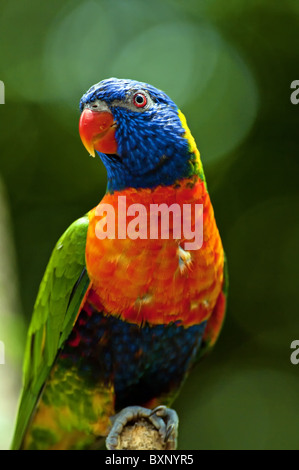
119,321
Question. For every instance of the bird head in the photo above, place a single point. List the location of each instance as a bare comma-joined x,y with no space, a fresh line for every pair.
139,133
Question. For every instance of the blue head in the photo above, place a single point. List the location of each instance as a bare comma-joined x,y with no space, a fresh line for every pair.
138,132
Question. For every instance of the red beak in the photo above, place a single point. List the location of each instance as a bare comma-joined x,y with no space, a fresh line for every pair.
97,131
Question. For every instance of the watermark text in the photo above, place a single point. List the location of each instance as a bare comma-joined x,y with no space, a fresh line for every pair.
295,354
2,93
295,94
158,221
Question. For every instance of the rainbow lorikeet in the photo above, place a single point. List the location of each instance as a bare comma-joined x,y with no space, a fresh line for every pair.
119,320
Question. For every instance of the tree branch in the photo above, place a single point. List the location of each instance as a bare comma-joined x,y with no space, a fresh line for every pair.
140,435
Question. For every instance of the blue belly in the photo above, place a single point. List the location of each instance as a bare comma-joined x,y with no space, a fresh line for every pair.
142,362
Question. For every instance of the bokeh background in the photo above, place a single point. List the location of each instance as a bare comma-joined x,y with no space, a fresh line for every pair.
229,66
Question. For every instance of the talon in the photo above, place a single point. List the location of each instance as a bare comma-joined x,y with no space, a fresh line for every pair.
159,410
172,422
169,431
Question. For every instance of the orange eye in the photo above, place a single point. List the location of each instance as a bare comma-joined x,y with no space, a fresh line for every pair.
139,100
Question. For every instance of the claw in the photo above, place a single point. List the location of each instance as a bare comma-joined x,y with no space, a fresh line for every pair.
172,422
159,410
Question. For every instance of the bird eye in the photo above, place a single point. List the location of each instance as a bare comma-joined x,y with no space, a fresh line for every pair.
139,100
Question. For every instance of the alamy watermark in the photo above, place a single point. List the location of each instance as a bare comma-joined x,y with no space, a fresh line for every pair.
295,354
159,221
2,93
2,353
295,94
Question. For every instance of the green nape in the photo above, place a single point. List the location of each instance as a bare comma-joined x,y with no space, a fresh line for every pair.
196,167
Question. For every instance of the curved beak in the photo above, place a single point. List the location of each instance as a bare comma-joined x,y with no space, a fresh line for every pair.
97,131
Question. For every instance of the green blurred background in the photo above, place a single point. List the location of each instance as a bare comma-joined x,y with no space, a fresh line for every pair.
229,66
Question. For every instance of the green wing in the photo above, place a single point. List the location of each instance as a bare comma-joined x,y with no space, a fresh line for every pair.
60,295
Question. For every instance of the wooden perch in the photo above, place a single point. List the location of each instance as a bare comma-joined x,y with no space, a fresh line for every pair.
139,428
140,435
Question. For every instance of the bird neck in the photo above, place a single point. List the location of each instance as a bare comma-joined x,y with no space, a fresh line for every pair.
184,163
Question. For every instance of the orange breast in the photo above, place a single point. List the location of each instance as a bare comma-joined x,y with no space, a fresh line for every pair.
155,280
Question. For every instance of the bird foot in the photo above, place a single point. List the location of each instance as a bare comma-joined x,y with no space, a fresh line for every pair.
164,419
